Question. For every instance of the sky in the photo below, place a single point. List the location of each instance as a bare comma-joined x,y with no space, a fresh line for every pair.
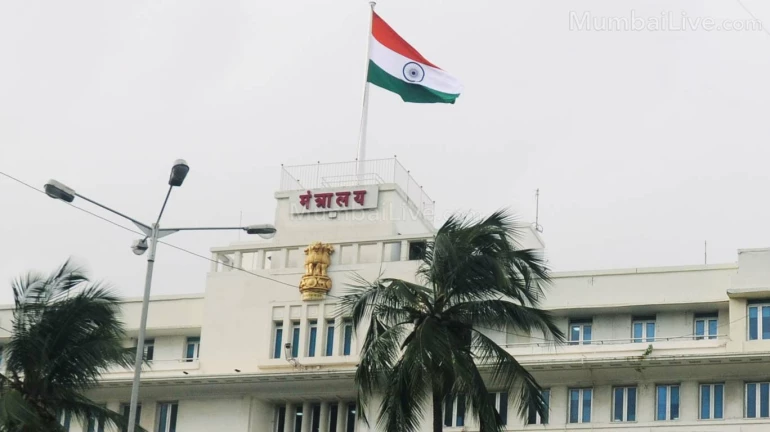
643,143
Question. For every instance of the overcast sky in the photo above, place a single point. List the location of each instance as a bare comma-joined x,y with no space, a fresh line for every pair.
643,143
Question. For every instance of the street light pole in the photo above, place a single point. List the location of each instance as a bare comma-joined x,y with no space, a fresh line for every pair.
152,232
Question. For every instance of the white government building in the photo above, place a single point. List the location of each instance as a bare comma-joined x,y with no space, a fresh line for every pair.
670,348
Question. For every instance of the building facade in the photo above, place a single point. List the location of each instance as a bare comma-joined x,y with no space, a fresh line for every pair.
669,349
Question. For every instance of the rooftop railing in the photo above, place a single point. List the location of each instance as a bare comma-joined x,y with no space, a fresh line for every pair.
369,172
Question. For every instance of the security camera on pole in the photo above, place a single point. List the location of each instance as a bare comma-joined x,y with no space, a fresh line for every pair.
152,232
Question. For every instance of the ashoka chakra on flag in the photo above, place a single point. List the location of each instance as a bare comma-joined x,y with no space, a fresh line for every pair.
396,66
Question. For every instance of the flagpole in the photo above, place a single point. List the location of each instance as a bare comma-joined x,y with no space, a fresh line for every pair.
361,153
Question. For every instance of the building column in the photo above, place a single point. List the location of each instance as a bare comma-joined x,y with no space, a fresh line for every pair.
307,416
288,424
324,420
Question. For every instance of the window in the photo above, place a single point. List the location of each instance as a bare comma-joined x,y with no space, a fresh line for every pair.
391,252
759,321
580,405
312,336
277,339
643,329
350,424
580,332
294,258
330,339
667,402
624,404
167,416
295,339
500,402
712,402
346,254
454,411
193,348
333,410
270,261
315,423
64,419
298,418
367,253
533,417
417,249
758,400
95,424
1,354
706,326
280,418
347,336
149,349
125,410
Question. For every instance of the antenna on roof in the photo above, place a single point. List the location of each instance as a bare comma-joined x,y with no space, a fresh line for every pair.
538,227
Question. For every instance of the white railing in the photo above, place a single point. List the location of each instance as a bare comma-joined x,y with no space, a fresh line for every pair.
601,342
369,172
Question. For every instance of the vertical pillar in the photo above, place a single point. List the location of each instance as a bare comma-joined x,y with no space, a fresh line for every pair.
288,425
324,420
238,259
307,416
303,333
405,250
342,416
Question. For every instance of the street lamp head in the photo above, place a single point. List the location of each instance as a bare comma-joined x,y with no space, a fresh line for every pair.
265,231
178,172
58,190
139,247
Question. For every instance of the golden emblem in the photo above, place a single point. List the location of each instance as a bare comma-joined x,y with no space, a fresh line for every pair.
316,283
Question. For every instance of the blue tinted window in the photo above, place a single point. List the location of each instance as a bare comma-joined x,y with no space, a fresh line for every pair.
699,329
574,405
617,412
587,405
713,329
295,340
751,400
705,401
764,400
637,332
650,332
674,403
631,410
278,341
587,334
662,402
718,400
311,343
330,339
348,337
753,324
460,418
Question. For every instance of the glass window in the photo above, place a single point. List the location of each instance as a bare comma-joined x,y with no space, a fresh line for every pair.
580,332
580,405
294,258
347,253
417,249
329,338
391,251
667,402
533,417
711,401
454,411
125,410
315,421
643,329
758,400
298,418
350,425
167,412
95,424
624,404
706,326
270,261
277,339
149,349
65,418
367,253
333,410
759,321
347,335
295,339
280,418
312,336
193,348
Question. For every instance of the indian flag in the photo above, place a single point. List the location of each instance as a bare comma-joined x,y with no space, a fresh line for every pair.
394,65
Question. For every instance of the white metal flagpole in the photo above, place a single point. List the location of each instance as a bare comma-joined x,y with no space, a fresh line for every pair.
361,154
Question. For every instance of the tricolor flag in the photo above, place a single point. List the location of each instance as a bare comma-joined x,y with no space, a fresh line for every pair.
394,65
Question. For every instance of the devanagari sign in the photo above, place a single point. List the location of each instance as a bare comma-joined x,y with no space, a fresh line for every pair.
334,199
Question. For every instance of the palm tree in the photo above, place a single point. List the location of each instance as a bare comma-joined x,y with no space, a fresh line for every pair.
424,342
65,333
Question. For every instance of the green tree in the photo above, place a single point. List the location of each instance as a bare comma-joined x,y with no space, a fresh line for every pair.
424,342
65,333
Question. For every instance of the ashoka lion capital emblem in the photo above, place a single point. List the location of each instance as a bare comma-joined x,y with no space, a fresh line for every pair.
316,283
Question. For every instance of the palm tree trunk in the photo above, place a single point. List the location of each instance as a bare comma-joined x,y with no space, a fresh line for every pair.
438,420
